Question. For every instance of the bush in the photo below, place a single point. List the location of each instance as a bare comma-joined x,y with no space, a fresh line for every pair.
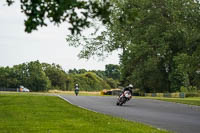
183,89
89,81
192,89
113,83
192,94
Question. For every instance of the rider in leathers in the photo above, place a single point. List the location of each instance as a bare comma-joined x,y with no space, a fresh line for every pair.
128,88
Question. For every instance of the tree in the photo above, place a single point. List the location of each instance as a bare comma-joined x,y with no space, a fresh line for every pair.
153,35
113,83
73,71
37,79
30,75
8,78
100,73
162,32
21,72
77,13
112,71
56,75
81,71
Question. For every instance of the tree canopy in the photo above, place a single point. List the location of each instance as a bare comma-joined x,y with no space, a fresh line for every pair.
78,13
159,42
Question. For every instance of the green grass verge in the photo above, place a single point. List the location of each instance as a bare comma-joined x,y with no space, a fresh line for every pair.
189,101
21,113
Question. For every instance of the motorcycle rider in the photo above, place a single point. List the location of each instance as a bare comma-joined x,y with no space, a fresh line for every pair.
76,89
128,88
125,97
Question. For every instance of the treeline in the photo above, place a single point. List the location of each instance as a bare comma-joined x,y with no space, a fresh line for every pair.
42,77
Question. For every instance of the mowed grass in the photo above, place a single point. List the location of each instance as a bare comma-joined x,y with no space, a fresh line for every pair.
50,114
189,101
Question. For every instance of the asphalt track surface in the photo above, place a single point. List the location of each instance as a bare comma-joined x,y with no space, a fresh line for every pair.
179,118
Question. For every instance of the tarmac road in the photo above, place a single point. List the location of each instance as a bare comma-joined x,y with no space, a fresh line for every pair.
175,117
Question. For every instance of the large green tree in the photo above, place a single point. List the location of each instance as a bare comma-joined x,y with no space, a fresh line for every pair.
56,75
163,50
164,46
37,79
159,42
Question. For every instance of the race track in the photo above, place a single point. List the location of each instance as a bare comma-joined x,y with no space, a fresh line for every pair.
179,118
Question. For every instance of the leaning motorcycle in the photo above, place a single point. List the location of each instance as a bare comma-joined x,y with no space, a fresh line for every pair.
123,98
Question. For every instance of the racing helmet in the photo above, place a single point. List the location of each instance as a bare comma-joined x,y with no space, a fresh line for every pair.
130,86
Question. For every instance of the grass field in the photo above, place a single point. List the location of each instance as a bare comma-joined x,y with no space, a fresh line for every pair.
189,101
25,113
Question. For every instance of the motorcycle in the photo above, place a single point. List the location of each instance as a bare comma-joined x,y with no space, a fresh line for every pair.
76,92
123,98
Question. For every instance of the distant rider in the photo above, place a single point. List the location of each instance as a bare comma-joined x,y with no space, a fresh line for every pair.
76,89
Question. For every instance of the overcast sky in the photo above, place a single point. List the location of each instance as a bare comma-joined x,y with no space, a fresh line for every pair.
47,44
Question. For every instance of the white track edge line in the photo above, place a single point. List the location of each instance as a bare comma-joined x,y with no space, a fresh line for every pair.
76,105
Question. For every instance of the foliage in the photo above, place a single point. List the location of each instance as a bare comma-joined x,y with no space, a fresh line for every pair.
112,71
192,94
37,80
75,71
89,81
76,12
159,42
100,73
56,75
38,76
163,44
8,78
111,75
32,76
112,83
183,89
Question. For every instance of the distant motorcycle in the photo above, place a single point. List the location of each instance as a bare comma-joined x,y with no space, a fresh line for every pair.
76,89
76,92
123,98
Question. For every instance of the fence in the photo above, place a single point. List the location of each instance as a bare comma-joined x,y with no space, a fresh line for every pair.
172,95
8,89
